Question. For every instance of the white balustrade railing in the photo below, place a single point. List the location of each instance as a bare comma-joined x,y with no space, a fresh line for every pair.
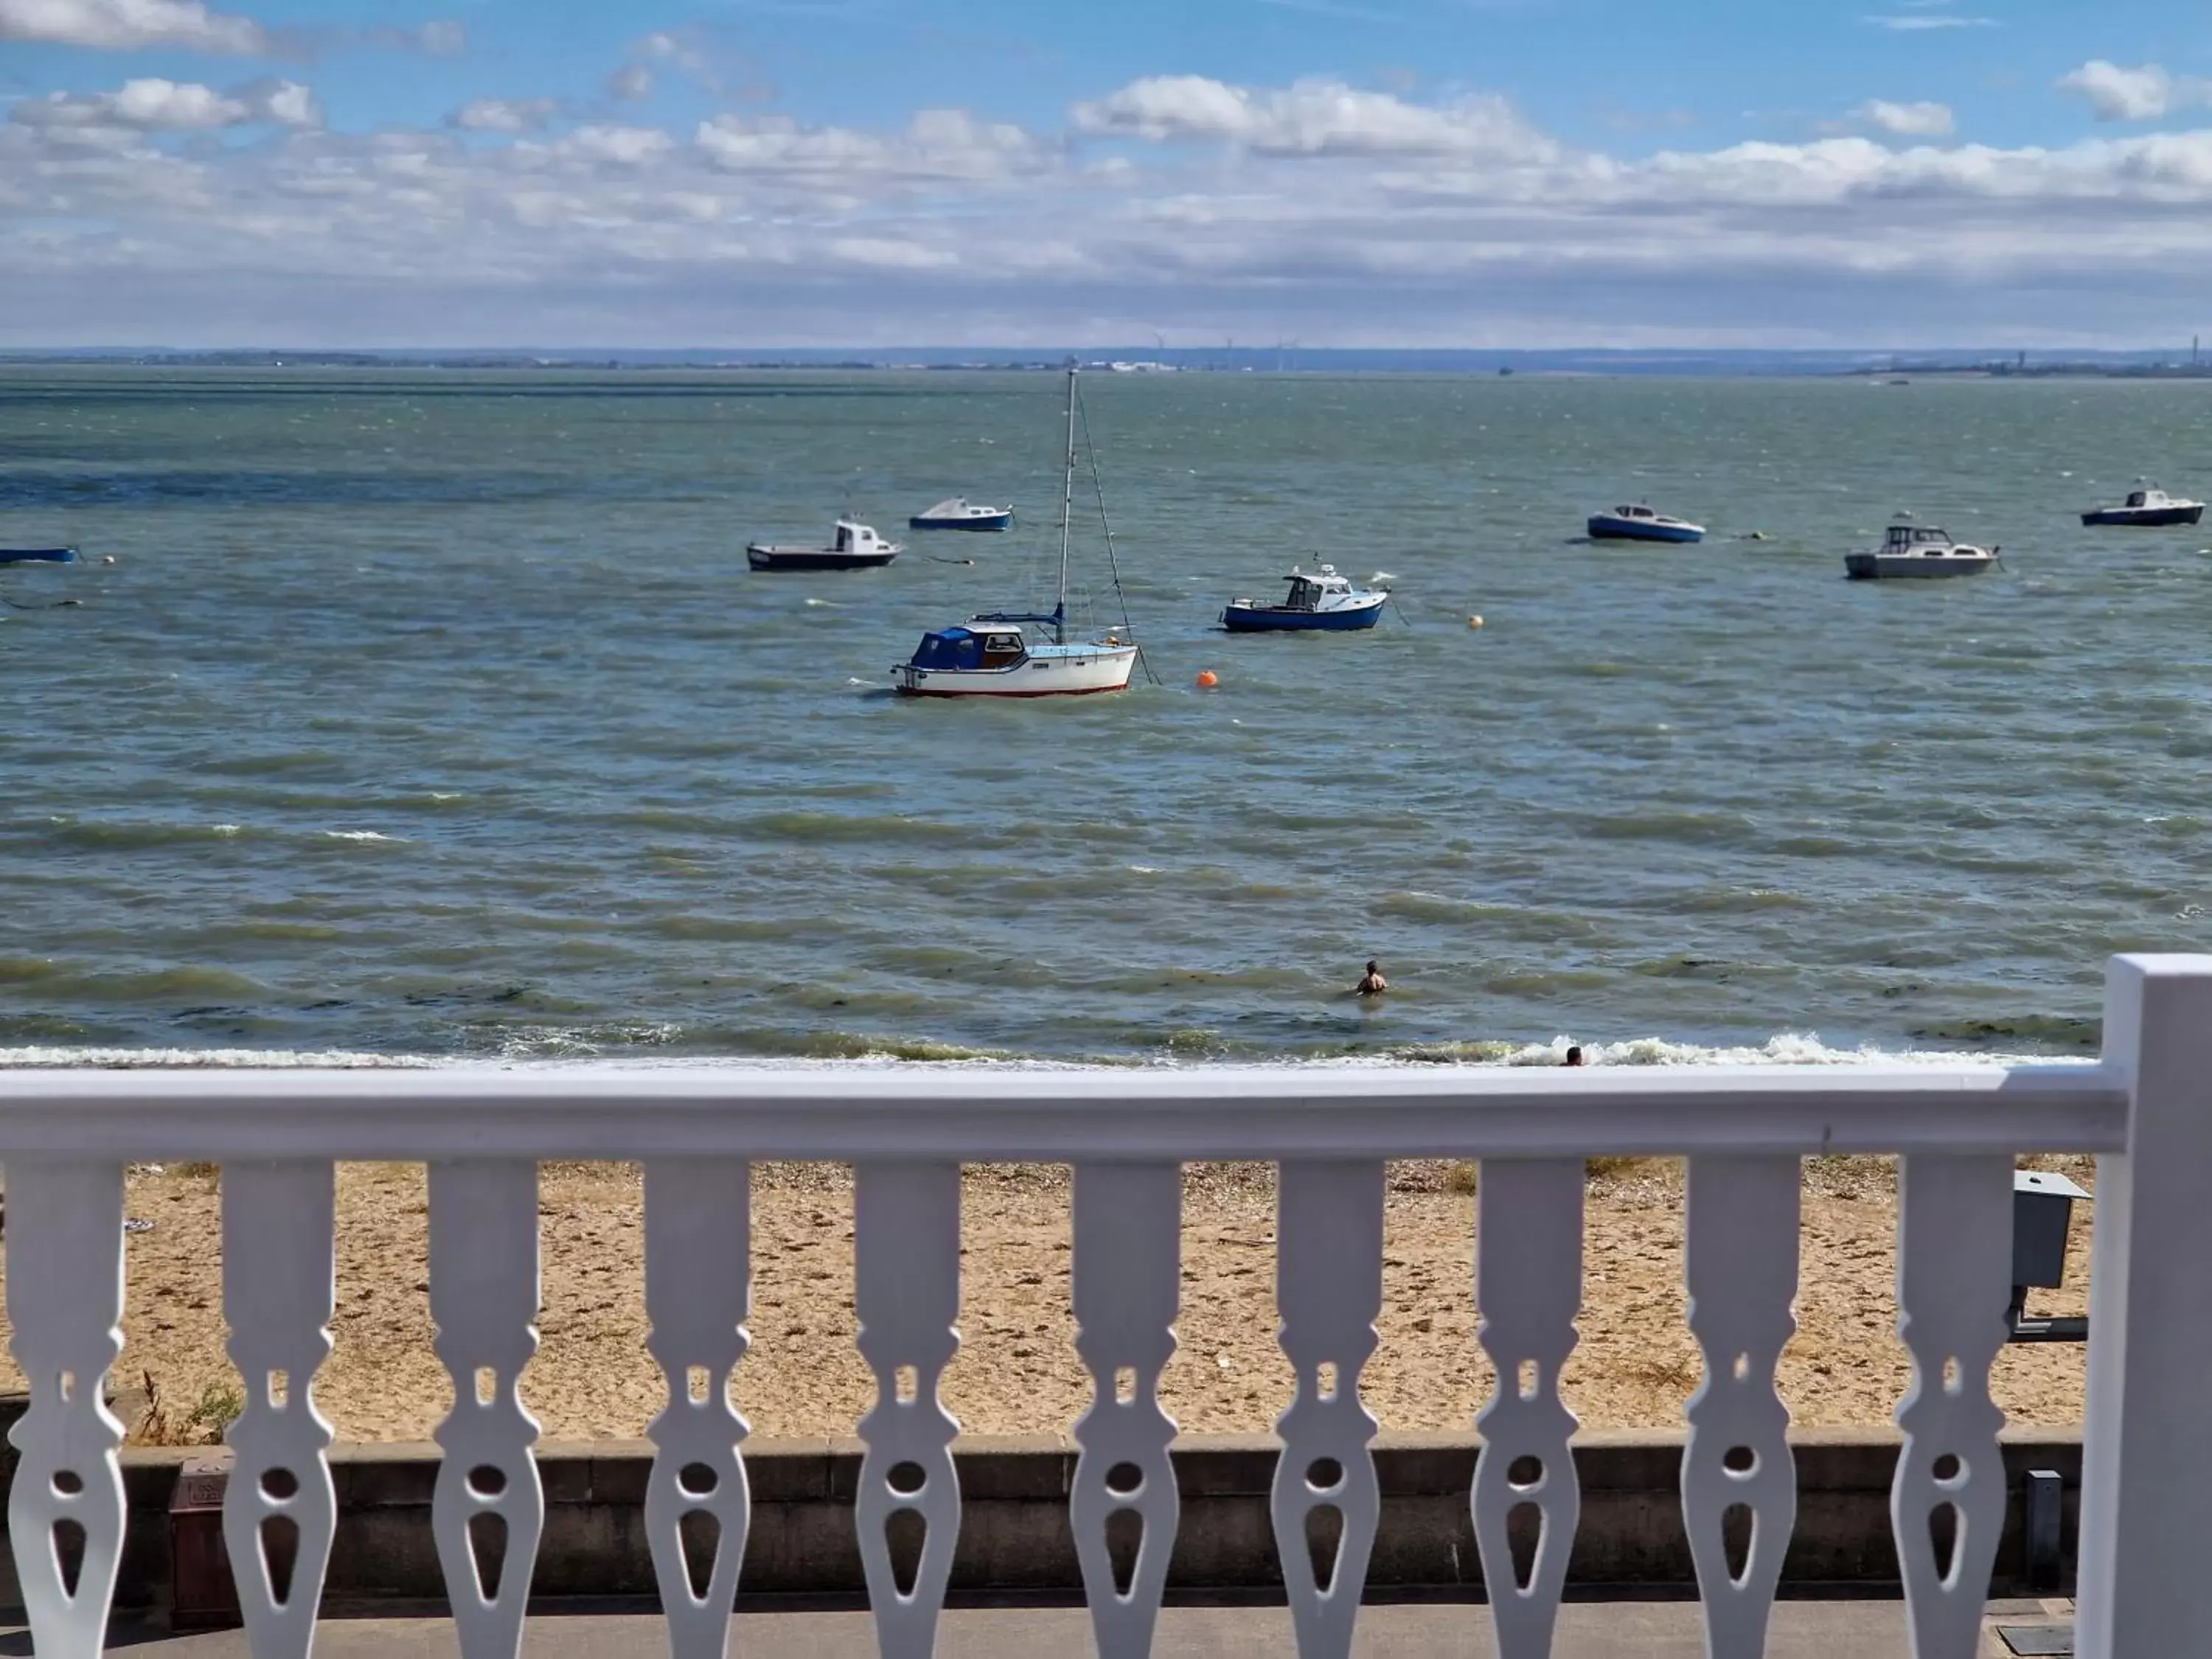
2147,1499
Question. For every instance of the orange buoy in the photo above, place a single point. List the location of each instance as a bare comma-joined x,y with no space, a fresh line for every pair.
1207,679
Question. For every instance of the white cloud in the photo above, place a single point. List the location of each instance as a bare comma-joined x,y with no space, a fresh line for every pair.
1209,208
1920,120
671,48
153,105
291,104
939,146
131,24
2142,94
505,115
1918,22
623,146
1310,118
631,83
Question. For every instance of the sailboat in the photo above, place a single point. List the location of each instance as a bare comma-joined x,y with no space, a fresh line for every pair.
996,654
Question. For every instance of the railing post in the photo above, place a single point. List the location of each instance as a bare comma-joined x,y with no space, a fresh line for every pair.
2147,1463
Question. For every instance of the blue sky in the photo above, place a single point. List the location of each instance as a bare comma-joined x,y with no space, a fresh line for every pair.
1359,172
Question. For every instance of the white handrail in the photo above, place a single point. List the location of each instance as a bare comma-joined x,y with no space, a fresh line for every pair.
1020,1115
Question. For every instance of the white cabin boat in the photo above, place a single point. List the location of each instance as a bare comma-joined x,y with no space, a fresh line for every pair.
2146,507
1918,549
855,546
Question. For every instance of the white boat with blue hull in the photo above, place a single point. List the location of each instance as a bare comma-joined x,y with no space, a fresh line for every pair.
1638,523
995,654
1323,602
960,513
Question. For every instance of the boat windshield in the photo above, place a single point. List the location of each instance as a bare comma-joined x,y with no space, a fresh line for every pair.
1918,535
2138,498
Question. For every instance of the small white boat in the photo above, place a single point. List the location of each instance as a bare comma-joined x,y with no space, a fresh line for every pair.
1918,549
2146,507
958,513
855,547
1638,523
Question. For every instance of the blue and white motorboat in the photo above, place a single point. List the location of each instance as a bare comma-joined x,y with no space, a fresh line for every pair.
1322,601
37,555
958,513
1639,523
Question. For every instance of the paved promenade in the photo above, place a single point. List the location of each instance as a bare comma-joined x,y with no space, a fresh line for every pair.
1602,1630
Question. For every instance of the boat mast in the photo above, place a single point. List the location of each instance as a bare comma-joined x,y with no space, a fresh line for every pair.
1067,514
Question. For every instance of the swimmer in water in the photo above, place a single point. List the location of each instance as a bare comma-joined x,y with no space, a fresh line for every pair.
1574,1057
1374,985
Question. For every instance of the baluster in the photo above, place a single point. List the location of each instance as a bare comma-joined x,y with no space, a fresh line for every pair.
698,1290
1954,1273
280,1508
65,1301
2146,1461
1741,1253
906,1249
1328,1289
483,1302
1529,1276
1127,1273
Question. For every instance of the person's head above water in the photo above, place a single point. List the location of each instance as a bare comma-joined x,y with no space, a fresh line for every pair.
1574,1056
1374,966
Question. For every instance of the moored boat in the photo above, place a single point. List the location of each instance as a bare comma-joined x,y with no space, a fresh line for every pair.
1638,523
958,513
1323,601
1918,549
993,655
37,555
855,547
2146,507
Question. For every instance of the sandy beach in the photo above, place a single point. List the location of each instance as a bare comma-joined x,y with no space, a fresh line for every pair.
1016,1370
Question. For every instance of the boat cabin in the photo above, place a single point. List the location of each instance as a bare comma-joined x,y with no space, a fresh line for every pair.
977,648
1309,592
1644,513
1917,539
854,538
2148,498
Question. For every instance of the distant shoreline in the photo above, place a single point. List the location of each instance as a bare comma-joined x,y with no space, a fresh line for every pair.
1964,364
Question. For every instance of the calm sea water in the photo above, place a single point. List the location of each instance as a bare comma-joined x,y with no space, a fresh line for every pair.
437,715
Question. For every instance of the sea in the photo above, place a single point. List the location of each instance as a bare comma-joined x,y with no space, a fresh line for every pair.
424,715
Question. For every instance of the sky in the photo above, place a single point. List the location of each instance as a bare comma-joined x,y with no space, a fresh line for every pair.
1481,173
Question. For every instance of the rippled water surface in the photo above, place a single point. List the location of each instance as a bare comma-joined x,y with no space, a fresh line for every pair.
438,715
